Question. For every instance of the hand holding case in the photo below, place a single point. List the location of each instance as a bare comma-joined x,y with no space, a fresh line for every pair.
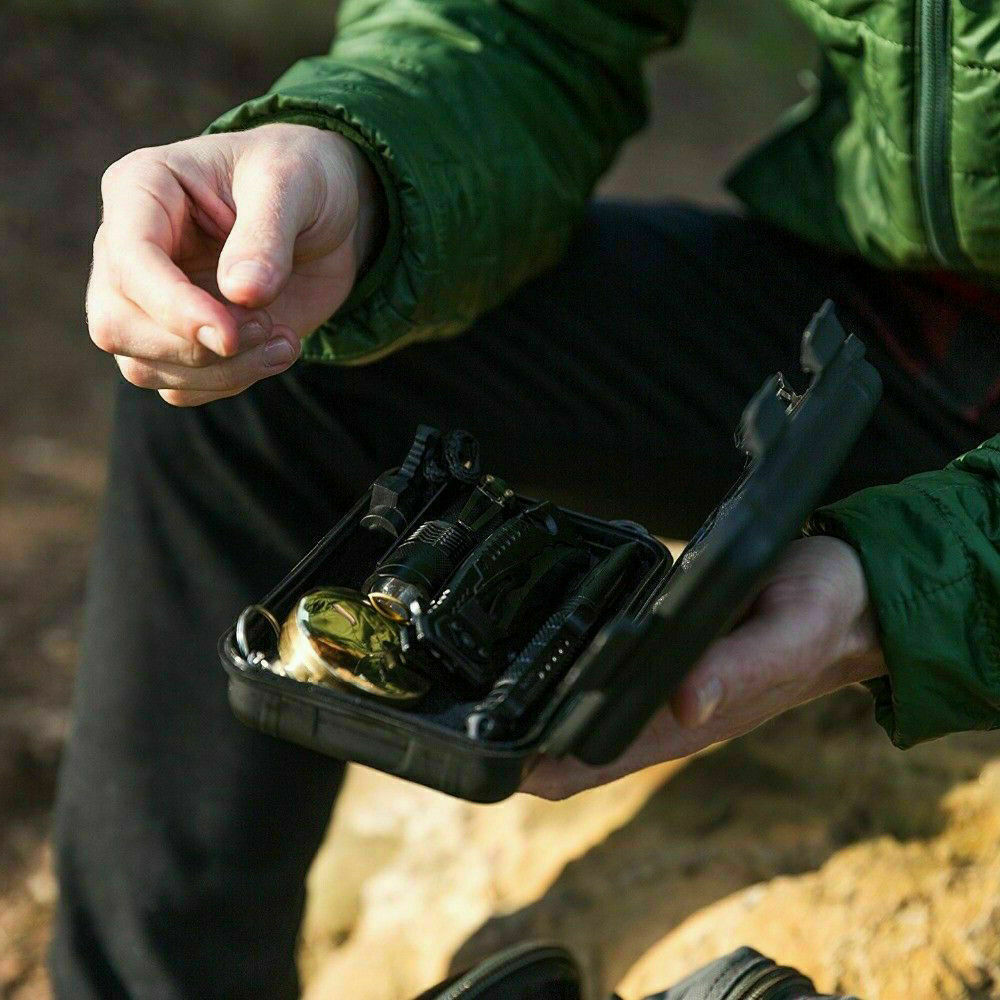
795,445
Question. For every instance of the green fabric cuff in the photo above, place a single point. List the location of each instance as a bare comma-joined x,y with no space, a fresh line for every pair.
488,125
917,542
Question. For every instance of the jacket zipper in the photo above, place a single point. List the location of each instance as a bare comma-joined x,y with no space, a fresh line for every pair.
933,117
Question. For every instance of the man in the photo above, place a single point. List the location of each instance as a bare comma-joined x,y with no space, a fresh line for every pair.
428,177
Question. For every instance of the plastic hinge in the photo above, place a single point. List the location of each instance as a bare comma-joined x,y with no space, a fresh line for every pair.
822,339
764,419
572,724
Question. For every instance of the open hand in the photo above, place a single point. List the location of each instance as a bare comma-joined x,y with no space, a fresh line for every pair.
809,632
217,255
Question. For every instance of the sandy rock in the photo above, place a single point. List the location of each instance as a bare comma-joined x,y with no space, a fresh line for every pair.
407,875
882,919
812,839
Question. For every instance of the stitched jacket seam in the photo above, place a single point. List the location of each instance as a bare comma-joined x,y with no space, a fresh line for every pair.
897,147
885,201
861,23
985,613
917,596
975,67
911,599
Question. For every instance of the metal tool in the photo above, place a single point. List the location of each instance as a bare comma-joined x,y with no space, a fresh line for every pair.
417,568
552,650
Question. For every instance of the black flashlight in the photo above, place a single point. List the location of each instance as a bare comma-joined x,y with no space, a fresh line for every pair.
416,569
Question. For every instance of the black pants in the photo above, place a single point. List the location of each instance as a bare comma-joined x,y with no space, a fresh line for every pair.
612,383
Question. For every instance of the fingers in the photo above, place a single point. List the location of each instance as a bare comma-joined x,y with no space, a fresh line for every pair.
193,397
760,669
703,690
199,237
119,327
225,376
557,779
154,283
277,196
145,218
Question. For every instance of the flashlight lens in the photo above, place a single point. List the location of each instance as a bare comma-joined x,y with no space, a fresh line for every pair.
392,597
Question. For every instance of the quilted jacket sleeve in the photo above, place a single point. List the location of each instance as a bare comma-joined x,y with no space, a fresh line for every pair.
488,122
930,547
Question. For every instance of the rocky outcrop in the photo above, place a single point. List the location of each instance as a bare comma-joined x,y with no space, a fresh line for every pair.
880,918
812,839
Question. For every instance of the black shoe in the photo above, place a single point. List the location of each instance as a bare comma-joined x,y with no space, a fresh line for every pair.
745,974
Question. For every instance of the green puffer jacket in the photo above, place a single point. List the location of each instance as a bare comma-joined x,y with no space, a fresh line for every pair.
489,122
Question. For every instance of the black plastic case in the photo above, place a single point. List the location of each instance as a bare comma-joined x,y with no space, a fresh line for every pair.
795,445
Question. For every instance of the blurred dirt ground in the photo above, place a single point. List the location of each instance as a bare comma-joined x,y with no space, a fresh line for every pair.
812,838
77,91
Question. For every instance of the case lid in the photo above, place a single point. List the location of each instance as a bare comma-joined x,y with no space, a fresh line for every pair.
795,445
